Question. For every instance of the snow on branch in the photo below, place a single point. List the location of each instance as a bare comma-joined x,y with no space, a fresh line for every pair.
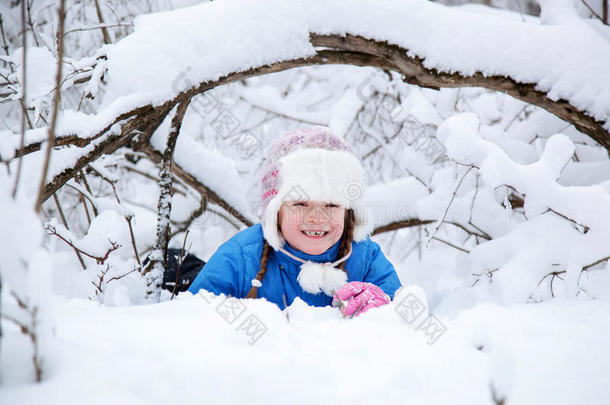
419,40
566,228
431,45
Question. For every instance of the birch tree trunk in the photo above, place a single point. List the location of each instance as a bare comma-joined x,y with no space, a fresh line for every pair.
153,272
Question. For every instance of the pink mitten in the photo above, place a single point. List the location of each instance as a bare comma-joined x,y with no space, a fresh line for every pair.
357,297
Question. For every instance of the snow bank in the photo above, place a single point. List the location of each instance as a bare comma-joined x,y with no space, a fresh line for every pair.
194,349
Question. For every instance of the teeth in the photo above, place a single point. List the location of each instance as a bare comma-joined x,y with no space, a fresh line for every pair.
314,233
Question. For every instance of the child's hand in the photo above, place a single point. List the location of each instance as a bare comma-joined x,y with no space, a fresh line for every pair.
357,297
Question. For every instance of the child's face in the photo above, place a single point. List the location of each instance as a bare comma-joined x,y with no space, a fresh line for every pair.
311,227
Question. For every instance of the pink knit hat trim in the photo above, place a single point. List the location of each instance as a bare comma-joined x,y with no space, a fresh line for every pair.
316,137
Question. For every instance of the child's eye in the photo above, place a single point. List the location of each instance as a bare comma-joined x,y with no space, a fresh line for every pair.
299,204
332,206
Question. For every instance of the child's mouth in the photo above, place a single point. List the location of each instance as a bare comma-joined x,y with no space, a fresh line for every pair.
314,234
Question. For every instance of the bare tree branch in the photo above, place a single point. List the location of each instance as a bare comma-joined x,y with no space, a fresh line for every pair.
101,283
97,27
183,254
56,101
99,259
416,73
595,263
579,227
29,329
337,49
450,244
100,16
453,195
557,274
63,220
190,180
603,18
184,226
406,223
23,93
128,217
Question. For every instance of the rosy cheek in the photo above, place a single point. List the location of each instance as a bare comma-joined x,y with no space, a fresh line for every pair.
338,220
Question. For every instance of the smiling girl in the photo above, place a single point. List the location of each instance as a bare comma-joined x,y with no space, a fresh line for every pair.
313,239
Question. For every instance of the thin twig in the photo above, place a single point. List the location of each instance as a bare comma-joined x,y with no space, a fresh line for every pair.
180,259
128,218
588,266
97,27
153,178
103,273
579,227
107,180
480,234
474,197
495,397
100,280
63,220
82,193
454,194
553,275
584,269
99,259
123,275
100,16
449,243
88,196
30,331
599,17
194,215
30,22
81,176
488,273
4,43
56,100
23,95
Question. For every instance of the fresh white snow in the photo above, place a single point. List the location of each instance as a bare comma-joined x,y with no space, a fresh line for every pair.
513,315
186,351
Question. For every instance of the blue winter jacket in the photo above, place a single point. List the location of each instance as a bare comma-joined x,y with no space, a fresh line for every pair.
231,269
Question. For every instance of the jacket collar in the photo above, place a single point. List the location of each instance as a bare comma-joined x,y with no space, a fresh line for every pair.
329,256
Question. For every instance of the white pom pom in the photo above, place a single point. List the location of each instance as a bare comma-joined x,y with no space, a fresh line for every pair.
256,283
311,277
315,278
334,279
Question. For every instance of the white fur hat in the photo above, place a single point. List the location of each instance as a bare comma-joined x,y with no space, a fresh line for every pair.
312,165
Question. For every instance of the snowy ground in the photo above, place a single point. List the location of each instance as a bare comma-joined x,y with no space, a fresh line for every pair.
186,351
482,342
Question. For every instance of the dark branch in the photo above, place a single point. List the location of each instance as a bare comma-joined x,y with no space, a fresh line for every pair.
350,50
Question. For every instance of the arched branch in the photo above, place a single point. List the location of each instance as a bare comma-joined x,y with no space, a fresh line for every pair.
407,223
414,72
333,49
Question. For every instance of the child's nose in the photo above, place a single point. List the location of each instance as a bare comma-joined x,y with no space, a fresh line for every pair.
316,215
